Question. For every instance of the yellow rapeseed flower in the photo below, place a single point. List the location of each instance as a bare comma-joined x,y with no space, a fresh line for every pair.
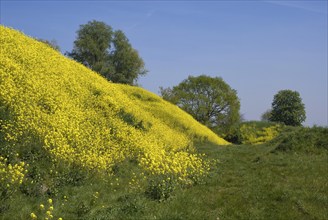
33,216
83,119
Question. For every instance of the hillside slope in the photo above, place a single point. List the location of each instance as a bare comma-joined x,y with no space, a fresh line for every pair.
52,104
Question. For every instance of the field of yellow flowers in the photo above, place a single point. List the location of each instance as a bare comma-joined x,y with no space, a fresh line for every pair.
52,104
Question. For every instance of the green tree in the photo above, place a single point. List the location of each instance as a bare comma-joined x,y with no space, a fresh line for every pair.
107,52
92,46
126,60
209,100
288,108
266,115
53,44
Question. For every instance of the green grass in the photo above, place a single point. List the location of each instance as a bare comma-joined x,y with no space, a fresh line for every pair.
248,182
253,183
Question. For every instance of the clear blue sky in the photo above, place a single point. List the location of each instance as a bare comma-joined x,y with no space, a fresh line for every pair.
257,47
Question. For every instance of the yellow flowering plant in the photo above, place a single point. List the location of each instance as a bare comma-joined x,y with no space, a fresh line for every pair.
11,177
79,118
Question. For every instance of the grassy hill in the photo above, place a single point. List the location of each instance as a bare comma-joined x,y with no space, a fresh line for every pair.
77,116
58,116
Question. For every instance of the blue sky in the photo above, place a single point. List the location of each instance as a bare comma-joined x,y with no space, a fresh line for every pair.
257,47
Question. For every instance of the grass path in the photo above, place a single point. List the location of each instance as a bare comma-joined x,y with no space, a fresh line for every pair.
252,183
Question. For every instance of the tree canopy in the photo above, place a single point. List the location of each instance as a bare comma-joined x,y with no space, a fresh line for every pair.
288,108
107,52
126,61
209,100
266,115
53,43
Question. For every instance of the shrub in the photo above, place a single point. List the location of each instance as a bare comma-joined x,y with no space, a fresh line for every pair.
307,140
160,188
254,132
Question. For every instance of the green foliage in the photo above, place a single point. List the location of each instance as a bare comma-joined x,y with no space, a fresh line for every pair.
92,45
234,135
209,100
160,188
107,52
128,65
254,132
53,44
307,140
130,119
130,205
259,132
168,94
266,115
288,108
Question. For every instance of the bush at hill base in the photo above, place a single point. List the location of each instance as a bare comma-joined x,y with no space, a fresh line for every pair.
254,132
259,132
54,109
302,140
